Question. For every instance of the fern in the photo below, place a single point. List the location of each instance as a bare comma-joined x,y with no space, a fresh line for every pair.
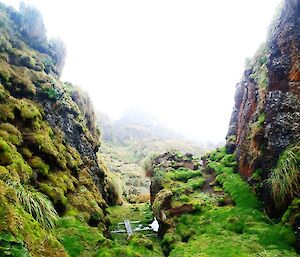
36,204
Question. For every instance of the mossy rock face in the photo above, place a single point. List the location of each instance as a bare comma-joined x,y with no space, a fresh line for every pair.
38,164
48,145
10,133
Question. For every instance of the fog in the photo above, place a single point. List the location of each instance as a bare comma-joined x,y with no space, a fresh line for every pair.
179,60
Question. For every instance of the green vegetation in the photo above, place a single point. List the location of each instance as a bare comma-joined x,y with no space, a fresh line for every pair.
259,67
37,163
184,174
10,133
285,176
51,92
131,144
78,238
42,173
261,119
54,193
36,204
139,245
10,246
227,220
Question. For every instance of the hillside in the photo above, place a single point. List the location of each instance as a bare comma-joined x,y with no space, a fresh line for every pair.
49,173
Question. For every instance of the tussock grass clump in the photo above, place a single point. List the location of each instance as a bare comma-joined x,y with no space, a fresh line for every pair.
285,178
184,174
36,204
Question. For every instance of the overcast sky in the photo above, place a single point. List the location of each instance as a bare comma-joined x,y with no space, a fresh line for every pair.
177,59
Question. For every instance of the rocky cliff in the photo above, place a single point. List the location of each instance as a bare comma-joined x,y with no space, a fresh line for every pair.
48,143
264,129
266,116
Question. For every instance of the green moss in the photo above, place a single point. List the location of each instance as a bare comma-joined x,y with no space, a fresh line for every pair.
7,111
13,161
239,190
218,154
19,76
6,156
184,198
10,133
27,154
292,213
227,170
28,110
215,166
184,174
73,158
51,92
28,61
161,198
219,228
3,93
79,239
20,167
137,241
259,68
10,246
56,194
35,203
14,220
63,180
87,201
138,244
38,164
43,139
5,73
231,138
229,231
140,212
229,160
195,183
3,172
261,119
257,174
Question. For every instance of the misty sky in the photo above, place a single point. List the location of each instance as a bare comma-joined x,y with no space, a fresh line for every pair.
177,59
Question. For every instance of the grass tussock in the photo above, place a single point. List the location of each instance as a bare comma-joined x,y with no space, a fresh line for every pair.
285,178
36,204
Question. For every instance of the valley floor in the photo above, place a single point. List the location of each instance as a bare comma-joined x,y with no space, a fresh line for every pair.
207,211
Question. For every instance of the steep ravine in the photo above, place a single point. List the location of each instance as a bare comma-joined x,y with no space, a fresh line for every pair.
239,200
